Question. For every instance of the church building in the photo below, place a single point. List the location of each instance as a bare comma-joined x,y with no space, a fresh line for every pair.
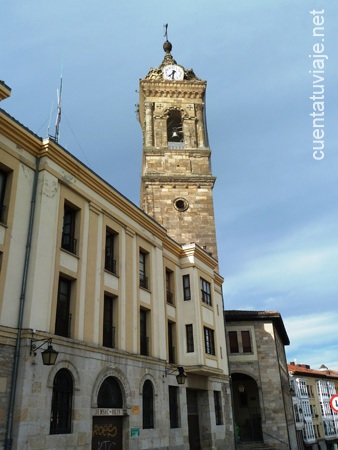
128,300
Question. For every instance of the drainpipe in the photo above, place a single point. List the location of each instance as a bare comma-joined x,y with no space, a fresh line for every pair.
10,414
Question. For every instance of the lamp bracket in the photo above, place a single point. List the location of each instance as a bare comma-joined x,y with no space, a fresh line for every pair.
169,370
35,347
180,376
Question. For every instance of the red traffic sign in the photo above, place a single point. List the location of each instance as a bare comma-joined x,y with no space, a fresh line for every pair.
334,403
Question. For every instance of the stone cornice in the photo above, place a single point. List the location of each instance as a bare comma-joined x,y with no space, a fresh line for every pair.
203,180
194,250
19,134
5,91
156,151
27,140
99,186
173,89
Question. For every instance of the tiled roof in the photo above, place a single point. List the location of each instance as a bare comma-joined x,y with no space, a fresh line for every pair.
305,370
273,316
242,314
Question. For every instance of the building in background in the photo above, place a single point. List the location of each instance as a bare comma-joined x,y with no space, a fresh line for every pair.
126,304
261,394
311,391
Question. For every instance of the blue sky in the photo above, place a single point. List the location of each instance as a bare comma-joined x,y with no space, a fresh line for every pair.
275,205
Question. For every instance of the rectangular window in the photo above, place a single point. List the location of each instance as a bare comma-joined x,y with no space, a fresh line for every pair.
144,338
190,338
143,270
209,341
63,316
173,407
240,341
108,322
218,408
3,206
205,292
169,281
6,176
233,341
296,413
68,241
186,287
246,342
171,343
110,251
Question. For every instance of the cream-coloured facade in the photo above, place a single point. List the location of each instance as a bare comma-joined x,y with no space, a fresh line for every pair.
124,304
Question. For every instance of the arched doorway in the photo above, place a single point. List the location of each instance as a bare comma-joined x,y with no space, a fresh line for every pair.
108,426
247,409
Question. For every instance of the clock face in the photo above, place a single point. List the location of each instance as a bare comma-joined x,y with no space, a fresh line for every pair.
173,72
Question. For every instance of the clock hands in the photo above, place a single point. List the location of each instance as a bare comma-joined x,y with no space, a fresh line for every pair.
172,75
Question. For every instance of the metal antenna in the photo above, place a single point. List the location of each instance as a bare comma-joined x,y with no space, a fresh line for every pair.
58,115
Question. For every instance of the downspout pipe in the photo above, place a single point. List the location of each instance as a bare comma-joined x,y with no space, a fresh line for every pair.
10,414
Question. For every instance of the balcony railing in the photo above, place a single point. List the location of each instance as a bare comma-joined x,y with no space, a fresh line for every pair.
109,338
143,281
68,243
144,346
110,265
3,211
171,355
175,145
170,297
63,325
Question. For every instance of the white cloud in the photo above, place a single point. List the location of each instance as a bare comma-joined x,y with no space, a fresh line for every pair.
303,261
313,339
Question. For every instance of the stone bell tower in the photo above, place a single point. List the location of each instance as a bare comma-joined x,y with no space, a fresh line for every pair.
177,183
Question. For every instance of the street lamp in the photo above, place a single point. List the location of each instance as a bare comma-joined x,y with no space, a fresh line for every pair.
49,355
180,377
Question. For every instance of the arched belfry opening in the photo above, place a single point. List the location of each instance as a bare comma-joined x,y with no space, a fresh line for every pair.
174,127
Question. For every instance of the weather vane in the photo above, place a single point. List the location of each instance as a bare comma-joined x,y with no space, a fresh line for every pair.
166,31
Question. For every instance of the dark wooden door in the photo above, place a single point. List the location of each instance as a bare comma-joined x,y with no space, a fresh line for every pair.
107,433
193,420
194,432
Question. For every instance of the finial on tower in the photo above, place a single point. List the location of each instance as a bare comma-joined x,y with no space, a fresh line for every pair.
167,45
